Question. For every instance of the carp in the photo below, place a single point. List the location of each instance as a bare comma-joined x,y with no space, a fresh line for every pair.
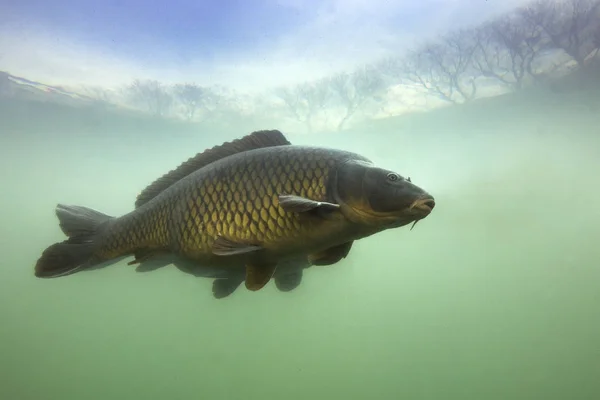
256,202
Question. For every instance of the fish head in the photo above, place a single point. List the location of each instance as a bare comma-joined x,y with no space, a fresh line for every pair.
377,196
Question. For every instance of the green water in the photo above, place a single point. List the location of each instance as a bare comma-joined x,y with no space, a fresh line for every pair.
496,295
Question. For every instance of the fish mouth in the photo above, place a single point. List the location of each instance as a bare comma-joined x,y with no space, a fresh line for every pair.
423,206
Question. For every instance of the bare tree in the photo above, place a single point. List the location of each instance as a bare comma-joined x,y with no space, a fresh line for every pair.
152,94
506,49
444,69
491,56
306,100
192,97
392,70
226,105
568,24
219,101
295,104
354,90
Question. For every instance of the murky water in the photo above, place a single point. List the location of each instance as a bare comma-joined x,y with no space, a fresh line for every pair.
494,296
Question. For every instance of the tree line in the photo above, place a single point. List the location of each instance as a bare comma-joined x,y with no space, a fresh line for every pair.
511,51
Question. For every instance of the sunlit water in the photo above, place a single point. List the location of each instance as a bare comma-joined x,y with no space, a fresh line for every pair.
494,296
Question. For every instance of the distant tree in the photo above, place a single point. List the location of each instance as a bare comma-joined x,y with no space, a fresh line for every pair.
152,94
226,105
506,49
444,69
219,101
192,97
569,25
307,100
293,102
354,90
391,69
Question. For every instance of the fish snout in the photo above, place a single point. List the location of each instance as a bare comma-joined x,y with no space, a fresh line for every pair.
423,205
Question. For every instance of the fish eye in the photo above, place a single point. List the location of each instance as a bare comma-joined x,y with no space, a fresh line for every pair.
392,177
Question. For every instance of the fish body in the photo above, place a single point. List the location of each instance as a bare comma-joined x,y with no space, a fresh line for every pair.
256,202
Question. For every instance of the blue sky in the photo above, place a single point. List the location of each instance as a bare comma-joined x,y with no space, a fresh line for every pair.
194,28
246,44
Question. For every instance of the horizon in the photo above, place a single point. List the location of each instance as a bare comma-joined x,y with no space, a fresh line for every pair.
233,44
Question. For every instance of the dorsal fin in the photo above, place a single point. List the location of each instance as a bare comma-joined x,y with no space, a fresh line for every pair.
255,140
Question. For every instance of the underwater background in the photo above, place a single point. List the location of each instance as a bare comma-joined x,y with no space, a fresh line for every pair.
495,295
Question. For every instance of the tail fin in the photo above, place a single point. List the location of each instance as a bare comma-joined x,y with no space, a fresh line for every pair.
84,227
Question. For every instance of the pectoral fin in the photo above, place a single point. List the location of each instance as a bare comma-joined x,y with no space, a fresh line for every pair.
330,255
292,203
288,281
258,275
225,247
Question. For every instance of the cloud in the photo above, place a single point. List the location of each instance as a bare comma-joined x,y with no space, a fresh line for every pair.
332,35
61,60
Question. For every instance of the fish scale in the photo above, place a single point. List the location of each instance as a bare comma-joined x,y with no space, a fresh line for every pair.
239,203
242,202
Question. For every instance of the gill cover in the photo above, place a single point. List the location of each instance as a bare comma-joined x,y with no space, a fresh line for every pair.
349,182
349,192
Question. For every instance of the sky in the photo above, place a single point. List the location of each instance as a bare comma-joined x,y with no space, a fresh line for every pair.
246,45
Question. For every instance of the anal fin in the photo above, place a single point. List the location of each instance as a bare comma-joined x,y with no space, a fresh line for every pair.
331,255
258,275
